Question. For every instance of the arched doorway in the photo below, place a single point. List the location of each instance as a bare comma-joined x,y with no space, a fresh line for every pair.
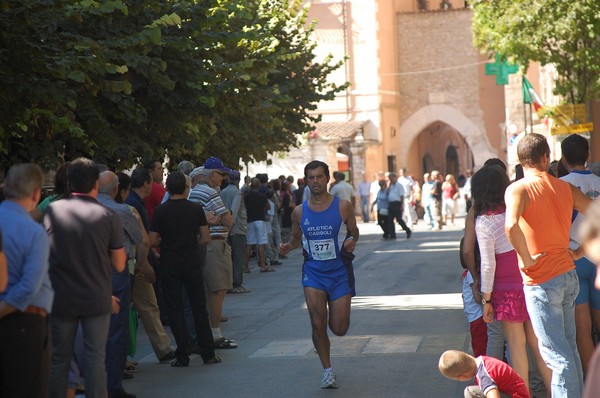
440,147
452,161
430,117
427,163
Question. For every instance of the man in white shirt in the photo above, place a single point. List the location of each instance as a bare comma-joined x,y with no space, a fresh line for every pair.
407,183
364,190
342,189
396,206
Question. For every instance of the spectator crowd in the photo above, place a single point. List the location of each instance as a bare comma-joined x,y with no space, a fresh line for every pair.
81,266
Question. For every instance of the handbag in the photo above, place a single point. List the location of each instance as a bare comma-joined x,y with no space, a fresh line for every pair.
383,212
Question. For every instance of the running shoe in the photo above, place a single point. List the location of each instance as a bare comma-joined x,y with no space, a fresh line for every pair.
328,380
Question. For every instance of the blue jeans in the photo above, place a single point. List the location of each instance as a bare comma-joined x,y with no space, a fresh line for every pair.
428,216
551,307
117,344
365,207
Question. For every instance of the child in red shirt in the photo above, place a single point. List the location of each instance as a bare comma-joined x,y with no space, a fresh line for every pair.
494,378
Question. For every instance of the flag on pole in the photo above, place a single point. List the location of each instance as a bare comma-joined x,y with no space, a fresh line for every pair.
530,96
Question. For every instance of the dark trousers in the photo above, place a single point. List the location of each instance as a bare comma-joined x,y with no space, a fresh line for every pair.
395,211
158,289
117,344
238,257
25,350
383,221
175,279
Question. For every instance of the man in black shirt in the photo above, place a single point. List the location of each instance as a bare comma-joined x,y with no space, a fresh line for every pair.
180,228
256,207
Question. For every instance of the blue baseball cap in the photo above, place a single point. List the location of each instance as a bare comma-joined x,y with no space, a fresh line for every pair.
234,175
213,163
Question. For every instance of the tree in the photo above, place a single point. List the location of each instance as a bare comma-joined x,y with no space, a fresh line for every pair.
563,33
118,81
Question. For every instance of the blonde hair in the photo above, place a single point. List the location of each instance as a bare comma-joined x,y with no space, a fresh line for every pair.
454,364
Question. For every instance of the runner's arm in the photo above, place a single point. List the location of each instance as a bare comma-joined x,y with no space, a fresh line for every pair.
349,218
296,235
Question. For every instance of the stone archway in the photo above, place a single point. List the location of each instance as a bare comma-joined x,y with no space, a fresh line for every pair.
475,137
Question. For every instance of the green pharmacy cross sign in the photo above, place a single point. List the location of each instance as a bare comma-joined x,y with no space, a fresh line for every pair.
501,69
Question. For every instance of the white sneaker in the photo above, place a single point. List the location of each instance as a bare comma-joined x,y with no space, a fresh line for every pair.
328,380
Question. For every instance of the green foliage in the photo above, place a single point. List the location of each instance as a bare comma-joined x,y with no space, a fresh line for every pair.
122,80
563,33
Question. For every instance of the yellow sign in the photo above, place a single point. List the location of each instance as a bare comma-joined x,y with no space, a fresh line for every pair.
573,129
575,112
571,119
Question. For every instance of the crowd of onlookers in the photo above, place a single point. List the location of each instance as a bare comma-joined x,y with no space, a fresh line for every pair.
105,250
530,286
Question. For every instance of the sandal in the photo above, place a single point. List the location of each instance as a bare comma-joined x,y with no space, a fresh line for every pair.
247,270
213,360
267,269
224,344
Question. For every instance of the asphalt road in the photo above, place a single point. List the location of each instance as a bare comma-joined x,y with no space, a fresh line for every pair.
407,311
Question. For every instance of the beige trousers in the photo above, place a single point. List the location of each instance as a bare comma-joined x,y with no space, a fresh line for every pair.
144,300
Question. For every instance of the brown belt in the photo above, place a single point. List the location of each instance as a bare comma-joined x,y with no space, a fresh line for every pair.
218,238
36,310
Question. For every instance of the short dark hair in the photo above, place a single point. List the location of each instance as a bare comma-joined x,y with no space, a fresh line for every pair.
61,186
139,177
575,150
314,165
176,183
263,178
82,175
532,148
151,164
487,188
124,184
495,162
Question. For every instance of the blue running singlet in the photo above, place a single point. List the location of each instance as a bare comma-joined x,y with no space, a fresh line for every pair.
327,266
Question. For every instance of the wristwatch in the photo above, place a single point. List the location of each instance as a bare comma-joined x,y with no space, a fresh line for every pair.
484,301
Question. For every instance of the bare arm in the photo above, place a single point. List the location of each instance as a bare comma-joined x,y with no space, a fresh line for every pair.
347,213
119,259
493,393
468,249
227,220
6,309
580,201
296,234
517,201
154,239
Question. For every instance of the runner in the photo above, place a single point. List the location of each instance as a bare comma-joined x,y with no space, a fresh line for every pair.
326,226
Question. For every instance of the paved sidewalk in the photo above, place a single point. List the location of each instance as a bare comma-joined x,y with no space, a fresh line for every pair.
407,312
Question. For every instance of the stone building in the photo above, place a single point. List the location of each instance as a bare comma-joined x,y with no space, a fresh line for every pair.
419,97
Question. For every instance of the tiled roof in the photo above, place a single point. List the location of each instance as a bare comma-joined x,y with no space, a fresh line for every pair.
338,130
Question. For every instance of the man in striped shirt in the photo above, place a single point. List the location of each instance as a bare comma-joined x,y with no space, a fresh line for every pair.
218,272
